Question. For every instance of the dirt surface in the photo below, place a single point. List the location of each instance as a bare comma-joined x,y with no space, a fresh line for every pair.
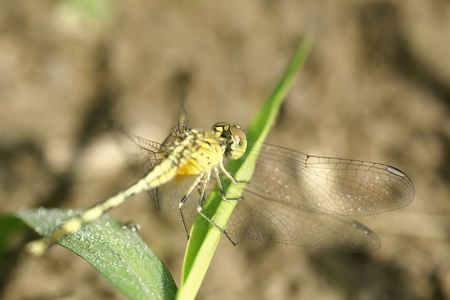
376,87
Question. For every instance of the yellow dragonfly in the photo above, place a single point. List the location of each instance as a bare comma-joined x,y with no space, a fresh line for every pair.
292,197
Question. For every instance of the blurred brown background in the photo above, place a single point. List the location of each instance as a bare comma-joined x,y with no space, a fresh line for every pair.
376,87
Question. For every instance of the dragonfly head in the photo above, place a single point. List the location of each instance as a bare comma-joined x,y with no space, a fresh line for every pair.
235,137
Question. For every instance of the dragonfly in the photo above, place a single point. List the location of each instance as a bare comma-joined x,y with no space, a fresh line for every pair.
292,197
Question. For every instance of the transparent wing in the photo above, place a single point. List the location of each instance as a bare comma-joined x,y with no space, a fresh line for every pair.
260,219
298,199
328,185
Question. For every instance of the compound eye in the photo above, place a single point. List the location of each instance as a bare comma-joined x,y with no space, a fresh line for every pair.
239,142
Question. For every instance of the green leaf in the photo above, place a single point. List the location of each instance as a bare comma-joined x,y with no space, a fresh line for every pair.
116,251
204,239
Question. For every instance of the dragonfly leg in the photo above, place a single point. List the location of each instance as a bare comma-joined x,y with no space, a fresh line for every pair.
222,191
185,197
202,201
229,175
